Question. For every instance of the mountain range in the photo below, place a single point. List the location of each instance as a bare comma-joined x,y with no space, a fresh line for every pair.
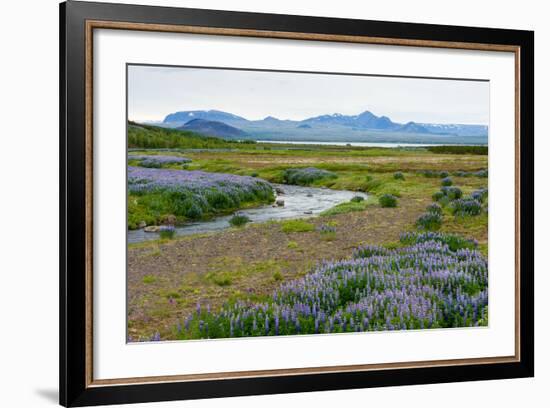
365,126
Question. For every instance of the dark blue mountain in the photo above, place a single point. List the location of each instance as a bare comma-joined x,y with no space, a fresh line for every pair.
183,117
214,128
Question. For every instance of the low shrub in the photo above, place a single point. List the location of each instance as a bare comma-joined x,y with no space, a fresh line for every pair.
447,181
434,174
452,192
306,176
484,173
239,220
466,207
357,199
438,195
167,232
434,208
388,201
480,195
429,221
398,176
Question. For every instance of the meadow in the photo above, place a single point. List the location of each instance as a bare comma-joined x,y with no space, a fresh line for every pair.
412,255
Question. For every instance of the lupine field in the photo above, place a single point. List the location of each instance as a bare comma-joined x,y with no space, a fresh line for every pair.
424,284
408,251
157,161
189,195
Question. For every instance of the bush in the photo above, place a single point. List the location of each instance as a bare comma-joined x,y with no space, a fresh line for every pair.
434,208
451,192
357,199
438,195
480,195
239,220
388,200
447,181
429,221
167,232
306,176
398,176
466,207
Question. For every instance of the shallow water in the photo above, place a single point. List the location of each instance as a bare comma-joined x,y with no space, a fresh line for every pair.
300,202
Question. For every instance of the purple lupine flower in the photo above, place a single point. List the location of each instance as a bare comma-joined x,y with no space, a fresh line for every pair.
420,285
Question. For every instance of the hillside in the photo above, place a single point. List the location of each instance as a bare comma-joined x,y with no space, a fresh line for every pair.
153,137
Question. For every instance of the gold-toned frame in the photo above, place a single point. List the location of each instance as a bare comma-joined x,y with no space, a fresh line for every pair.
116,25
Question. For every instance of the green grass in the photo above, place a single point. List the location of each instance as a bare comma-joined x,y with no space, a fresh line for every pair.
344,208
149,279
220,278
291,226
292,245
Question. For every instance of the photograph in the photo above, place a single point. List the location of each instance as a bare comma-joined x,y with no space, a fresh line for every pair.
283,203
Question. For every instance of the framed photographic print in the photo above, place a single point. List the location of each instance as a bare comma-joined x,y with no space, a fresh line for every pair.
256,203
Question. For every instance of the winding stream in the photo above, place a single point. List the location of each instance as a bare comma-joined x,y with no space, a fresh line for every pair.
299,202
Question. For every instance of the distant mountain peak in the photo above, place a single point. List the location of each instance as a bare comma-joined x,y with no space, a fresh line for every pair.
271,126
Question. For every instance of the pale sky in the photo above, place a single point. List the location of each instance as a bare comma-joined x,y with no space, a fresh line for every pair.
154,92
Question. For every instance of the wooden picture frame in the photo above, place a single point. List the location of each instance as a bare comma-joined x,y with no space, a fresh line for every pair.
78,20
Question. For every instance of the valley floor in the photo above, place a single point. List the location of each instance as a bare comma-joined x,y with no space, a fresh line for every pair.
166,279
